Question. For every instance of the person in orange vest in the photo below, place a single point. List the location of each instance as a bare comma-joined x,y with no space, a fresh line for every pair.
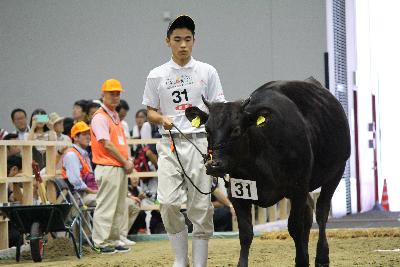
77,169
110,154
76,165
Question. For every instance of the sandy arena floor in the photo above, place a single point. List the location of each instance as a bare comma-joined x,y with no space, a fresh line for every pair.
348,248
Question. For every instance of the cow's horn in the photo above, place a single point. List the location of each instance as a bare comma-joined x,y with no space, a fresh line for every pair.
205,102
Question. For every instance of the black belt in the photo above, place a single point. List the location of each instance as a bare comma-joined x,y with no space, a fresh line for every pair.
188,135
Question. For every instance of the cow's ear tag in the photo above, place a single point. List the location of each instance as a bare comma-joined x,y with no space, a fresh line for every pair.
261,121
196,122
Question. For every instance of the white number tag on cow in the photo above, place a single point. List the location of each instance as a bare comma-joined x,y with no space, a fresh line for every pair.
245,189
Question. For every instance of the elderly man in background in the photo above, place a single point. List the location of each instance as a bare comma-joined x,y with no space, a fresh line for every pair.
110,154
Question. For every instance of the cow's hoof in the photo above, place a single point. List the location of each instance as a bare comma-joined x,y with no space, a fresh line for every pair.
321,264
242,264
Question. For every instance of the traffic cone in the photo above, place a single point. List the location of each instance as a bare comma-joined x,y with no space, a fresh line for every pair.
385,197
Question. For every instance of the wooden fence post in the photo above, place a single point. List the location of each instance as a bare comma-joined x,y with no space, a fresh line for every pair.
283,209
3,196
271,213
27,197
262,215
51,156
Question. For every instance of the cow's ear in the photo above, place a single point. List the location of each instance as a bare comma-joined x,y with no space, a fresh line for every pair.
196,116
259,118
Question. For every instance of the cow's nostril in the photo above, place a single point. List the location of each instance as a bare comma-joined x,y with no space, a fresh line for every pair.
215,163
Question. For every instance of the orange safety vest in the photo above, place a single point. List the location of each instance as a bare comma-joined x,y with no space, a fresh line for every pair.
100,155
85,165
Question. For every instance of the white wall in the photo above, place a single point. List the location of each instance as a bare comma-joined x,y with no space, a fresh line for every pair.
386,57
365,87
373,55
55,52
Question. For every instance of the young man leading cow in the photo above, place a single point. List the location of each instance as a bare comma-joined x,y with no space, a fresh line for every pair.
170,89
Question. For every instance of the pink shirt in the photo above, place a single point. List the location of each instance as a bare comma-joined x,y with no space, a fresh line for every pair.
99,124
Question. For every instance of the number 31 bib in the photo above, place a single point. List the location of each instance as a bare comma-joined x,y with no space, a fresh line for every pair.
180,91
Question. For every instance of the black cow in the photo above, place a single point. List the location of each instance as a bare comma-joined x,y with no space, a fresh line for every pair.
290,137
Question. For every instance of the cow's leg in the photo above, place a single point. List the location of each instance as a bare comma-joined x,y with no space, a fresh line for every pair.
322,213
308,220
296,226
243,213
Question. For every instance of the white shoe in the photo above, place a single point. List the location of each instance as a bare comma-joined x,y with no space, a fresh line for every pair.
179,243
119,243
199,252
126,241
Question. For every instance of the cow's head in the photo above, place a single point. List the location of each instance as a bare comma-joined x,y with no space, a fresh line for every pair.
226,125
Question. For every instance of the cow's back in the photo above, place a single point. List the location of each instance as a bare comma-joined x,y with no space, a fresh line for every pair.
325,118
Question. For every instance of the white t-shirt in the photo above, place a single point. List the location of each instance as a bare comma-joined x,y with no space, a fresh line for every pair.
144,133
125,125
171,89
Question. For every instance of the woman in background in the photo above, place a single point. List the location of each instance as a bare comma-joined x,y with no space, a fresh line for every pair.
42,131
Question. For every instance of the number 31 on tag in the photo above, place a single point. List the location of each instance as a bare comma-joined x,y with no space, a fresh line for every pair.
245,189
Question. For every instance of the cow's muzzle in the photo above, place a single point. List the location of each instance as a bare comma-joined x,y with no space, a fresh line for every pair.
215,168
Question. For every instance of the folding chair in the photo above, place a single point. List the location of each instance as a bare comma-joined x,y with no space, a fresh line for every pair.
68,195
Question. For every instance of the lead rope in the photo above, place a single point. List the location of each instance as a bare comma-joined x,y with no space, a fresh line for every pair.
205,157
183,170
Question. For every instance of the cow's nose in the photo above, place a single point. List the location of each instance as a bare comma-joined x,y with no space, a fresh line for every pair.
215,164
215,168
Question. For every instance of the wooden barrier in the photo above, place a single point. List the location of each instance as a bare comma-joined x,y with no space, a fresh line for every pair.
279,211
26,178
260,215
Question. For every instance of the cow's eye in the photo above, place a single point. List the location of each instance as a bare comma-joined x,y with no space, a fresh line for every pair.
236,131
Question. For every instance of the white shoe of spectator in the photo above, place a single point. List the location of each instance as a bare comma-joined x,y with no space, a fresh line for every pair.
179,243
119,243
199,252
126,241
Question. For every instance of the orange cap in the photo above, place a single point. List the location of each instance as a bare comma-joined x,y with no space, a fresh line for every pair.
112,85
79,127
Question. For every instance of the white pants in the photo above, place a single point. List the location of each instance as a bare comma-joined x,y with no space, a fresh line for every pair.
171,184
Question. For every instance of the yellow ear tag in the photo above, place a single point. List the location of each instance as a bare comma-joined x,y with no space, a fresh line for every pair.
196,122
260,121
